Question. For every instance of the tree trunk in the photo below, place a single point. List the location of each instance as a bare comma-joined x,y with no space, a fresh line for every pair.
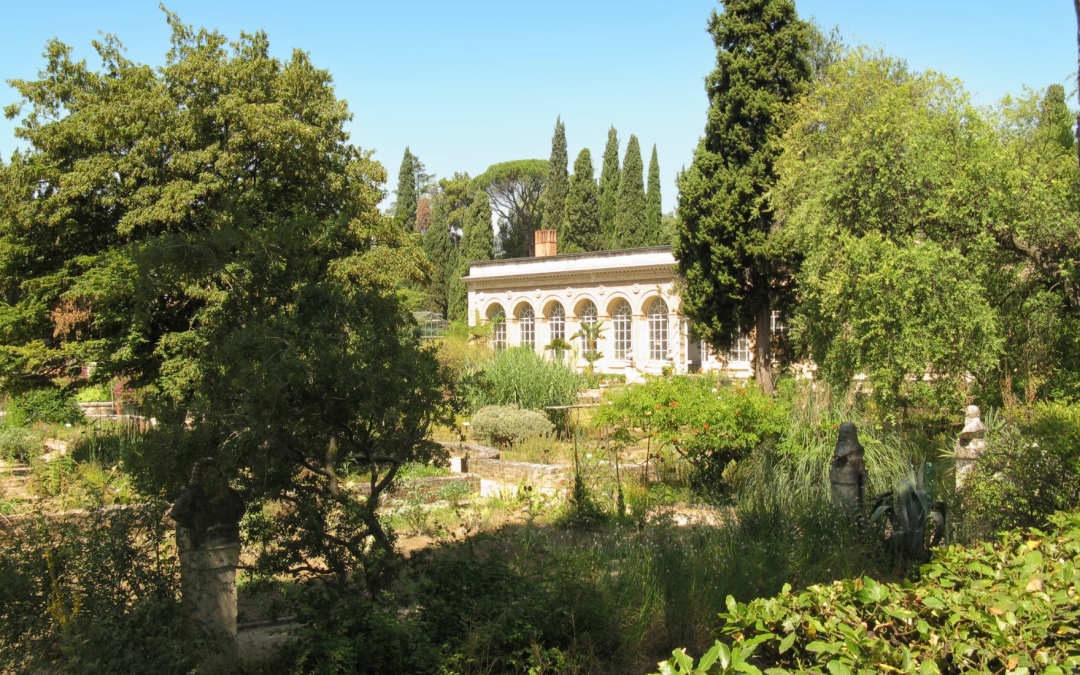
1076,6
762,347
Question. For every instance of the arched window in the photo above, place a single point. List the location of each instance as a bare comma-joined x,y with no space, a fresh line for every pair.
587,315
497,317
556,317
527,325
658,330
622,321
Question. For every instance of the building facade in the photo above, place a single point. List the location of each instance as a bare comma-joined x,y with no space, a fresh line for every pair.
632,293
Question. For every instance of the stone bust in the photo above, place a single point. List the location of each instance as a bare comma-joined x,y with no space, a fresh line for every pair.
207,515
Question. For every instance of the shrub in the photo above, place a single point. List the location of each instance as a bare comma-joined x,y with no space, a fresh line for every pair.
1008,607
707,423
18,444
93,395
52,405
523,378
352,635
1029,470
92,593
505,425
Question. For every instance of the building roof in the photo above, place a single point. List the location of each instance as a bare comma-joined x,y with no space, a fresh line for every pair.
654,257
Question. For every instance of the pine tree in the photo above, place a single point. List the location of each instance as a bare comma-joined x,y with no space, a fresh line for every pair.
477,243
407,193
723,247
630,224
609,189
439,252
654,231
582,229
555,188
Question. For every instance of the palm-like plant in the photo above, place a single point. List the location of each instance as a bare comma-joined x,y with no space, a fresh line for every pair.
590,334
908,516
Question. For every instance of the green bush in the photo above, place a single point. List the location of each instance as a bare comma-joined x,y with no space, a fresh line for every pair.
1029,470
521,377
51,405
96,593
708,423
505,425
93,395
18,444
1008,607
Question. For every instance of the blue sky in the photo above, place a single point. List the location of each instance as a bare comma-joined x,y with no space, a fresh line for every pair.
469,84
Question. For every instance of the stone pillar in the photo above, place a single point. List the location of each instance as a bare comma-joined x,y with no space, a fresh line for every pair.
970,444
848,469
208,541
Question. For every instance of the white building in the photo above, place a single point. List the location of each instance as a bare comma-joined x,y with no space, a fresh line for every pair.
534,301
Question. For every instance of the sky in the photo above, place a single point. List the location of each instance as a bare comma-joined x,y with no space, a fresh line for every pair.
469,84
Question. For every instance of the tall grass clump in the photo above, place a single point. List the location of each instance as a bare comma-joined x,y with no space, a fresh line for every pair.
521,377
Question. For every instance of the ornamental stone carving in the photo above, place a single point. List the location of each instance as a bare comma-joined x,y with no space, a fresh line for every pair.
970,444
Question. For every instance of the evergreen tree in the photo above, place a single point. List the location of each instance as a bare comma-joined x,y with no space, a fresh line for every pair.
630,223
609,189
723,247
582,228
477,243
408,194
557,184
439,253
654,230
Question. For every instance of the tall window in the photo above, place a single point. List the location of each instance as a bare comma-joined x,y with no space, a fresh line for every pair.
778,324
622,320
557,322
498,327
527,325
587,314
740,347
658,330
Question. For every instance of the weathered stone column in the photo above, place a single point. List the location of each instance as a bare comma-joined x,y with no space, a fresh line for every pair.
208,541
970,444
848,469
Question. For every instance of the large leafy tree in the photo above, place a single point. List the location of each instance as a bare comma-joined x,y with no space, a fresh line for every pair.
477,243
609,189
630,222
206,230
582,230
890,167
653,210
514,190
557,184
725,211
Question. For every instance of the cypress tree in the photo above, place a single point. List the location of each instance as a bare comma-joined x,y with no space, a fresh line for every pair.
582,229
630,223
733,270
407,193
556,185
477,243
609,189
655,233
439,252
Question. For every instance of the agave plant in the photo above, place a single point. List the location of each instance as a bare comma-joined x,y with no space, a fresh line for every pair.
908,516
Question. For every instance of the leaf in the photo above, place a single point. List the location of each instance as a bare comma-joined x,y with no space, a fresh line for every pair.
786,643
709,657
838,668
929,667
685,663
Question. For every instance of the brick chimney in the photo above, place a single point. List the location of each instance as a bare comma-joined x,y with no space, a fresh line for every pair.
545,243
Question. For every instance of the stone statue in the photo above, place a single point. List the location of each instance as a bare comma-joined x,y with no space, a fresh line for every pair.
848,469
208,541
970,444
